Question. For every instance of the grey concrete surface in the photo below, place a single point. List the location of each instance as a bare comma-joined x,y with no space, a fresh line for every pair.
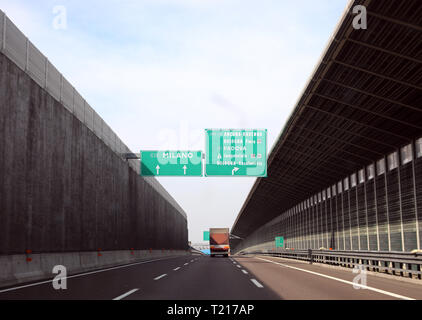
17,268
63,190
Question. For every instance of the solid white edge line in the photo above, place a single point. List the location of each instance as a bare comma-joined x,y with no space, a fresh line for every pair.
125,294
245,272
159,277
176,269
257,283
344,281
83,274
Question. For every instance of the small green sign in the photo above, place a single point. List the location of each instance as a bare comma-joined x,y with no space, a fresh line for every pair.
279,242
171,163
236,152
206,236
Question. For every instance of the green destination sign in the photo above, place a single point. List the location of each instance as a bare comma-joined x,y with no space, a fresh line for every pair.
206,236
279,242
171,163
236,152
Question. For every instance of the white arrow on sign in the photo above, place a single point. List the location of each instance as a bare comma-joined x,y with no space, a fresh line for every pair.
235,169
158,169
184,169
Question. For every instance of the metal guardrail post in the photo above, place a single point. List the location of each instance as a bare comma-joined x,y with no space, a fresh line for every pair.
310,256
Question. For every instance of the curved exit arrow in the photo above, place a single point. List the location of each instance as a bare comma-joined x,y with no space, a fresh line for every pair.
235,169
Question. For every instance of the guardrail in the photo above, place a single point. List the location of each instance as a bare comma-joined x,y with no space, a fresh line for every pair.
18,48
403,264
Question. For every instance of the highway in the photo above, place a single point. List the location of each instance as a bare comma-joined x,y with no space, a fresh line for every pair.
337,169
204,278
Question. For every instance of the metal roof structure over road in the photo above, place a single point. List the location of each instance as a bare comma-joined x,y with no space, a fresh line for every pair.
363,100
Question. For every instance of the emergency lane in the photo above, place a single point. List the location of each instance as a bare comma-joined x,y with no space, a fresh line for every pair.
293,280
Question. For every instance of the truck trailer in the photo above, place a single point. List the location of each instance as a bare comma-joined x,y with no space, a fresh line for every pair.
219,242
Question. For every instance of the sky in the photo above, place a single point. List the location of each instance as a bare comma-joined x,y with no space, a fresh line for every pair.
160,72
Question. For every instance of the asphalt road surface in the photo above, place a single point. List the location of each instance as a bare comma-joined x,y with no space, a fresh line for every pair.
206,278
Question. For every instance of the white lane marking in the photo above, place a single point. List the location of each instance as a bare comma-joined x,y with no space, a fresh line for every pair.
244,271
391,294
234,262
186,264
176,269
257,283
159,277
191,260
125,294
239,266
83,274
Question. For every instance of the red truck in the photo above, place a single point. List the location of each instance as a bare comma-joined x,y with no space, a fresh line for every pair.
219,242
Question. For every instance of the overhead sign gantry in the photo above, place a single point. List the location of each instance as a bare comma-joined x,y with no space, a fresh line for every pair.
233,152
229,152
171,163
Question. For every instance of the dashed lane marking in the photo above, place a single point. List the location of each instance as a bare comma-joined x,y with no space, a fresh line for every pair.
125,294
83,274
159,277
255,282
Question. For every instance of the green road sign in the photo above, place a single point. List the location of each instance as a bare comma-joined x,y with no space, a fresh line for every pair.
236,152
171,163
279,242
206,236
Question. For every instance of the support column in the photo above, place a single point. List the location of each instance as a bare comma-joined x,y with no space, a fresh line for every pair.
414,156
386,201
400,198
